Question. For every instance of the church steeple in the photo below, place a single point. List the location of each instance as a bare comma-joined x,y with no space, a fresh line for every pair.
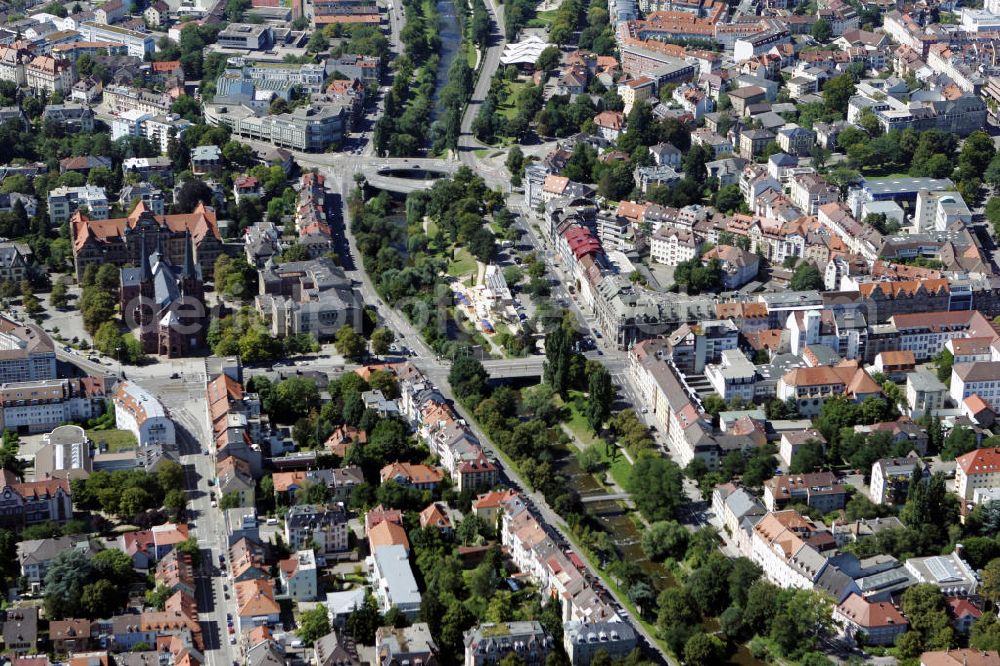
145,274
189,270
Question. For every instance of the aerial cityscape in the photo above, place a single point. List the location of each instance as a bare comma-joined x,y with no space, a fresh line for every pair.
499,332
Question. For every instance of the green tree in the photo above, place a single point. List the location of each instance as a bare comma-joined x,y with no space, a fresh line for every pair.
381,339
663,539
65,580
548,59
59,297
101,598
985,633
806,277
468,379
349,344
313,624
600,399
838,91
821,31
656,485
157,597
990,577
704,650
925,608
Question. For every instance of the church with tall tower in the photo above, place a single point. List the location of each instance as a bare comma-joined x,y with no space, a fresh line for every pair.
164,304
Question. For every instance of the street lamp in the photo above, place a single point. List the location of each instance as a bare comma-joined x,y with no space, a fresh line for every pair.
118,352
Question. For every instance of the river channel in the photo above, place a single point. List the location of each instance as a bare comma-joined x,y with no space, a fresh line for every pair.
451,42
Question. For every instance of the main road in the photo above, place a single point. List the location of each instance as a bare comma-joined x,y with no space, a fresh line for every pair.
180,386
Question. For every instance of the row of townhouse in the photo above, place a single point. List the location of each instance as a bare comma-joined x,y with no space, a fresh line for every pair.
446,434
39,73
590,620
239,426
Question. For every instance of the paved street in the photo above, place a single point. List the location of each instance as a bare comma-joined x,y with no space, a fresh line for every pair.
184,399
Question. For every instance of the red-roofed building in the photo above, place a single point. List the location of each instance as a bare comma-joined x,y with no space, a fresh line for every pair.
977,469
879,622
963,613
97,242
488,505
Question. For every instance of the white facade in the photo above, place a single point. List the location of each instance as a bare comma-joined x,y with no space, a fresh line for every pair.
139,412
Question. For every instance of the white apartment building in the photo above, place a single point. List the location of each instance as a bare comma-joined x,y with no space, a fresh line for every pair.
392,580
139,412
64,201
936,211
734,377
46,74
673,246
976,470
129,123
981,378
778,547
159,128
298,576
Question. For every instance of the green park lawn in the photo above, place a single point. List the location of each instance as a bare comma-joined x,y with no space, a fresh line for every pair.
620,467
115,440
463,263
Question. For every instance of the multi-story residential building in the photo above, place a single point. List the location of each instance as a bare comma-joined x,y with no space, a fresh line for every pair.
891,477
35,555
977,469
981,378
811,387
64,201
139,412
255,604
879,622
636,90
753,142
583,640
739,266
20,631
485,644
72,118
298,576
13,61
235,479
121,99
151,197
734,376
789,548
925,393
33,502
796,140
26,352
45,74
676,413
810,191
392,580
325,527
672,246
13,262
162,128
30,407
733,505
138,44
820,490
412,645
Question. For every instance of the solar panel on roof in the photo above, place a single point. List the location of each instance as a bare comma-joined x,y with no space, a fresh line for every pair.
939,568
